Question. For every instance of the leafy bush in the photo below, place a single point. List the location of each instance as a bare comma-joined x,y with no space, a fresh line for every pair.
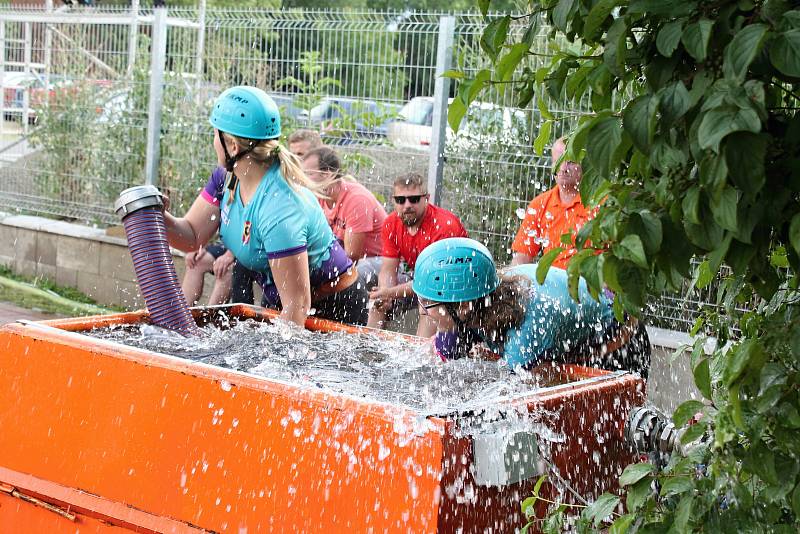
692,147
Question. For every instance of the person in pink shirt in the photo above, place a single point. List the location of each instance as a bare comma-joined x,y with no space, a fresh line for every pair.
353,212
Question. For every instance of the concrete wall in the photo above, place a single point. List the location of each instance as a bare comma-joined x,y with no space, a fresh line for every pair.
73,255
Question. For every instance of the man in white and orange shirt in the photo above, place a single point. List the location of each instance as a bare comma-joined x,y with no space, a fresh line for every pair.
552,214
353,212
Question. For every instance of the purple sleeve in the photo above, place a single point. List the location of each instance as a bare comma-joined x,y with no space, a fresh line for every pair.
445,344
215,187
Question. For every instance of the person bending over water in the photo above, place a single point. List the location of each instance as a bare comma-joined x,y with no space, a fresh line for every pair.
268,215
480,312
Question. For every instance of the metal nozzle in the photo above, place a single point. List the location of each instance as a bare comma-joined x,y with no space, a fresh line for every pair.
136,198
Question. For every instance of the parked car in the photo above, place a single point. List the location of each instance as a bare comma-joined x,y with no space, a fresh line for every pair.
484,124
349,118
288,108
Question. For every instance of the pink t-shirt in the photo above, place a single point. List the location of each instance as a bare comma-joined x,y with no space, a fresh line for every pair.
357,210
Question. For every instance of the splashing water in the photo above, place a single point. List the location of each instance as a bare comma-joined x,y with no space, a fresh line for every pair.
398,371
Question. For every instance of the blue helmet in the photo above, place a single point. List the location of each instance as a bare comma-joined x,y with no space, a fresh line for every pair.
456,269
246,112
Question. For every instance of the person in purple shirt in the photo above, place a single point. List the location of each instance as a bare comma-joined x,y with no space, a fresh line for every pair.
269,217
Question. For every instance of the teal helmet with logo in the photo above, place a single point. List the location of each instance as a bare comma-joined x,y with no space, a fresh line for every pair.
247,112
456,269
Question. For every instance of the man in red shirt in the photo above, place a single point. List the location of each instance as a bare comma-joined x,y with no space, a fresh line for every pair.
552,214
414,224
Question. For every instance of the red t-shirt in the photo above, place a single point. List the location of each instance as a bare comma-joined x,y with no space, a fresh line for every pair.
437,223
359,211
546,219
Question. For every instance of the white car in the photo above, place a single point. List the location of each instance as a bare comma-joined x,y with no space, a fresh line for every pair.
484,124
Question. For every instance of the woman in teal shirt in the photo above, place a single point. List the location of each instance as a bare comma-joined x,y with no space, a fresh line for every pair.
267,214
513,316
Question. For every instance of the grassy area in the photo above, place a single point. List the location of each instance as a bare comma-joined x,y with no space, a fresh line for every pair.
49,298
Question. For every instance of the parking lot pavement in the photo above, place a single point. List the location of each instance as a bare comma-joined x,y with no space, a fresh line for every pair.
10,313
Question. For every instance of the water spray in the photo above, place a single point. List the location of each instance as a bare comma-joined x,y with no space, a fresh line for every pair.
141,209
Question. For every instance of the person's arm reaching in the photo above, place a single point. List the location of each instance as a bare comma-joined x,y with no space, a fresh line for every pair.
290,274
387,279
355,245
392,292
195,229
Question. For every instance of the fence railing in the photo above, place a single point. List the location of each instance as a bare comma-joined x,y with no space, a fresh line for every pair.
98,99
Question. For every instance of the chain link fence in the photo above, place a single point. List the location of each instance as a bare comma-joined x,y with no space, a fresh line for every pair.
77,89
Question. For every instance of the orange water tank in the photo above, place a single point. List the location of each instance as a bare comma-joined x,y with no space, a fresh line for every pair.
98,437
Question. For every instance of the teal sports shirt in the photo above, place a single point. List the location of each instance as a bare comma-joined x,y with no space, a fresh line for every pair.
553,320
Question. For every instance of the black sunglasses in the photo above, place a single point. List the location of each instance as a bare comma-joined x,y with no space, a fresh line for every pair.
401,199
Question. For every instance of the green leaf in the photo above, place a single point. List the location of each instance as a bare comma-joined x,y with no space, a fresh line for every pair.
761,460
597,15
676,485
668,37
639,120
724,207
453,74
483,6
544,263
528,506
508,63
784,53
542,107
674,102
615,50
695,39
532,32
647,226
525,93
739,357
455,113
704,275
692,433
543,137
494,35
686,411
794,233
673,8
538,486
739,53
621,524
719,122
691,205
713,171
638,493
604,139
774,9
561,14
682,513
633,473
702,377
631,248
744,156
592,272
796,501
601,508
574,272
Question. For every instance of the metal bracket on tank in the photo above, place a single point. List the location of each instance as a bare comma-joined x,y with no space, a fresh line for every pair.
503,458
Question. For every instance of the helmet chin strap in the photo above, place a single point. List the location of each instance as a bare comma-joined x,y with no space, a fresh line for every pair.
230,163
